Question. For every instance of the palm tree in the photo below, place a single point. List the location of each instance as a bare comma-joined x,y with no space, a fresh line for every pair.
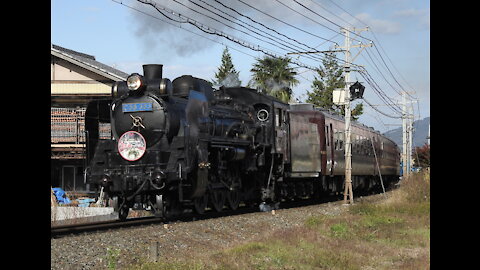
274,76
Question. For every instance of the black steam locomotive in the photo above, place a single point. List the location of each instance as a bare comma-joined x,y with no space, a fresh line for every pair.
182,144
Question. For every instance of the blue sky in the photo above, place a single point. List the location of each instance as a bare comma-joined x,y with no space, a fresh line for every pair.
119,36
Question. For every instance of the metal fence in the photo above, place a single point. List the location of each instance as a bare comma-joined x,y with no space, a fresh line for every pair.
68,126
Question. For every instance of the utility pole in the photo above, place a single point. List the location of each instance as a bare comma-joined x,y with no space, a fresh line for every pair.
407,134
404,134
348,192
428,137
410,137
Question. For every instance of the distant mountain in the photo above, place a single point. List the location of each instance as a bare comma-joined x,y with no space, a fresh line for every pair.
420,133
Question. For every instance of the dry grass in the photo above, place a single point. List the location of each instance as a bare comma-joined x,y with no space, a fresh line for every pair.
392,234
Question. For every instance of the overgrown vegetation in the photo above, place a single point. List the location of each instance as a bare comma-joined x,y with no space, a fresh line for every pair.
422,156
391,234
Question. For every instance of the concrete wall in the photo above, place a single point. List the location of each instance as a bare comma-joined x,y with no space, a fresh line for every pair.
70,212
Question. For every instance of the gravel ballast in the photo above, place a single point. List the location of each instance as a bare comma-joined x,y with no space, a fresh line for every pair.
133,245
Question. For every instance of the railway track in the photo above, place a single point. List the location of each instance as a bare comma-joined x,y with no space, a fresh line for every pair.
56,231
73,229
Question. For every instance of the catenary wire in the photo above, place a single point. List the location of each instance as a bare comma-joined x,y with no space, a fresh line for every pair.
266,35
375,44
325,18
270,28
213,31
179,26
187,20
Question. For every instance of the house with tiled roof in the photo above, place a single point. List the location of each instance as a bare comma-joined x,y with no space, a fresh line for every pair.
76,78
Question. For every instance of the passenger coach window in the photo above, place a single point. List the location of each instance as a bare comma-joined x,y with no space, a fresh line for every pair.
341,136
368,147
337,140
327,137
278,116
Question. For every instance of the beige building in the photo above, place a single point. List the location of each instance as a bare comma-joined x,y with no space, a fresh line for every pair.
76,78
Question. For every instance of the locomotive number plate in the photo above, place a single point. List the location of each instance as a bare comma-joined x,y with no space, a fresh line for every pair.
137,107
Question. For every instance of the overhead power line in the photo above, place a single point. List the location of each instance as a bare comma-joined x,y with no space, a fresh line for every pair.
333,14
278,41
214,31
374,107
180,27
380,93
375,44
323,17
287,45
314,50
265,26
293,26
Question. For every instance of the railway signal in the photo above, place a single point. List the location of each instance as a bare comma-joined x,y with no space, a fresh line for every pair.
356,90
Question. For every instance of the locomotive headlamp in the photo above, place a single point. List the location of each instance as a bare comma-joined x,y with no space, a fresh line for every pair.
132,145
262,115
134,81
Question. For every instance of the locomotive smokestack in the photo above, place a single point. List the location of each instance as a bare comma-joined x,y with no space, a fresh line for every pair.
152,71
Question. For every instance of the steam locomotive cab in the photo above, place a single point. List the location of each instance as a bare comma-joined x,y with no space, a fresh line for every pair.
270,141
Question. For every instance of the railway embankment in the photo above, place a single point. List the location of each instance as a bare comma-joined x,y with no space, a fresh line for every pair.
383,231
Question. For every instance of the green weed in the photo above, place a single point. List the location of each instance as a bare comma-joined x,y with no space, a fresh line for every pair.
340,230
112,257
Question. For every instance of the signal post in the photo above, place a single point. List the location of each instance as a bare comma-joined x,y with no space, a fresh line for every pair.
348,192
343,97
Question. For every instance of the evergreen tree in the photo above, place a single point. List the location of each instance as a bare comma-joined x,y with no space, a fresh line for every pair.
330,78
226,74
274,76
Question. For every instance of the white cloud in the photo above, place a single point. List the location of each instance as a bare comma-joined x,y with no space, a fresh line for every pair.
412,12
422,15
380,26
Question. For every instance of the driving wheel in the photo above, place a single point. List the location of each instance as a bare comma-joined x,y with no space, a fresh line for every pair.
199,204
233,199
217,199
